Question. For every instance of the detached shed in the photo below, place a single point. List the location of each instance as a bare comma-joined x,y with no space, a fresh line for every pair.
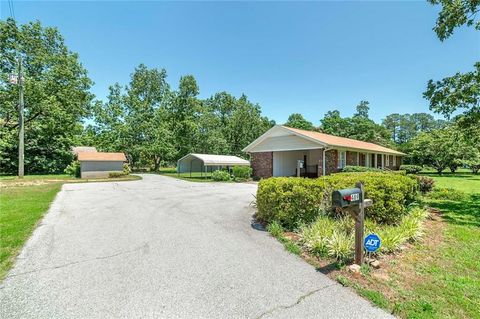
99,165
208,162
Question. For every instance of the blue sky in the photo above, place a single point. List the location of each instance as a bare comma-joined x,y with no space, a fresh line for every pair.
307,57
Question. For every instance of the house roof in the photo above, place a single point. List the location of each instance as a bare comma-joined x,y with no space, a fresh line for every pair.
100,157
213,160
327,140
78,149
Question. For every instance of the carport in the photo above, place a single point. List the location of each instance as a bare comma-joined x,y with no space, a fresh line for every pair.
207,163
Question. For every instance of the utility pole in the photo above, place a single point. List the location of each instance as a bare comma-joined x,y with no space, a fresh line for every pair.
21,133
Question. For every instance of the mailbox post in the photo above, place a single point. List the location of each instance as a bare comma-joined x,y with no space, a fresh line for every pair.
352,200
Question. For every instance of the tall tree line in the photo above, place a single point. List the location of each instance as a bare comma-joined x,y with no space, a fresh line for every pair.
154,124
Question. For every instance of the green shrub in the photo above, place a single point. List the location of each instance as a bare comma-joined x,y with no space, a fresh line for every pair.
126,168
220,175
353,169
411,169
242,172
292,201
275,229
73,169
425,184
116,174
447,194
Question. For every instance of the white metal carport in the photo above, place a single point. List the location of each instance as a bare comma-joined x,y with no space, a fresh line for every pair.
208,162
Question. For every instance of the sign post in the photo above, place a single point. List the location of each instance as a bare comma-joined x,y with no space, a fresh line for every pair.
353,200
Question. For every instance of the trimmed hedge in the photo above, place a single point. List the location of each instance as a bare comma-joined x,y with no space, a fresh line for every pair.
294,201
411,169
352,169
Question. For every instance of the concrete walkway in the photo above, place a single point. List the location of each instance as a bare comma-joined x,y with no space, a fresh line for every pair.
165,248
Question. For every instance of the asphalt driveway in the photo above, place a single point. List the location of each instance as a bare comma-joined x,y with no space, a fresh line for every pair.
165,248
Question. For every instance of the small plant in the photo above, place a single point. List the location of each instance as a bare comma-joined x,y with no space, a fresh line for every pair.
425,184
292,247
275,229
126,168
116,174
73,169
411,169
340,246
365,269
391,238
447,194
241,173
315,237
220,176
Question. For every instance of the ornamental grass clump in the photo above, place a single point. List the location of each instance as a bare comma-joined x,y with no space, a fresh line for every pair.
315,237
334,237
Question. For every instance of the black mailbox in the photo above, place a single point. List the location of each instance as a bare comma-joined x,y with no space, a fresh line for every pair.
347,197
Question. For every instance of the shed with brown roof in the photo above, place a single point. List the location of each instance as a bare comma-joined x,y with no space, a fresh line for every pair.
100,164
286,151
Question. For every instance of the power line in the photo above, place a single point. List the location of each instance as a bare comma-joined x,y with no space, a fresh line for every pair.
12,9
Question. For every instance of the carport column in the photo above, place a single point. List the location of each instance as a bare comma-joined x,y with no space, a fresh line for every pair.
323,163
376,160
383,161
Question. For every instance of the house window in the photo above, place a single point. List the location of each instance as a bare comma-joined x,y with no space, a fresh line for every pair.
342,160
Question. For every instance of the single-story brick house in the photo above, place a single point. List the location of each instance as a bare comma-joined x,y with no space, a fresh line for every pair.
277,152
99,164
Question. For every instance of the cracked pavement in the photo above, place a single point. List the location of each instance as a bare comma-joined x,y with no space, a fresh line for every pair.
165,248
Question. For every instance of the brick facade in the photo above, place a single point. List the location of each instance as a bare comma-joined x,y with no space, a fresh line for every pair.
262,164
352,158
331,158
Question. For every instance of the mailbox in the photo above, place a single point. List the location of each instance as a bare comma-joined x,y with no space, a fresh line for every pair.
347,197
300,163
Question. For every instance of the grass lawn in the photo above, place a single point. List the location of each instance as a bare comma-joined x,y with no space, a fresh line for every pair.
462,180
436,277
439,277
23,202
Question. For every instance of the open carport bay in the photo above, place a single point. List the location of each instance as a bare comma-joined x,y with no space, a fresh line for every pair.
167,248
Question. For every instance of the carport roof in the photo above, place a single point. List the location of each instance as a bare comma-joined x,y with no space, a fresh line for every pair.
217,160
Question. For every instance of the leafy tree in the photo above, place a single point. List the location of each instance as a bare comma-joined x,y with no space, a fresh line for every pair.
246,124
439,149
146,129
57,97
296,120
184,111
358,127
362,109
460,91
404,127
455,14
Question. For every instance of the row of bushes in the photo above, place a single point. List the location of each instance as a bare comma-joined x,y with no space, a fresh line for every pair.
239,174
409,169
294,201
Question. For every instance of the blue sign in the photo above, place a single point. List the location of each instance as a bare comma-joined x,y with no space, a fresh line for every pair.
372,243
